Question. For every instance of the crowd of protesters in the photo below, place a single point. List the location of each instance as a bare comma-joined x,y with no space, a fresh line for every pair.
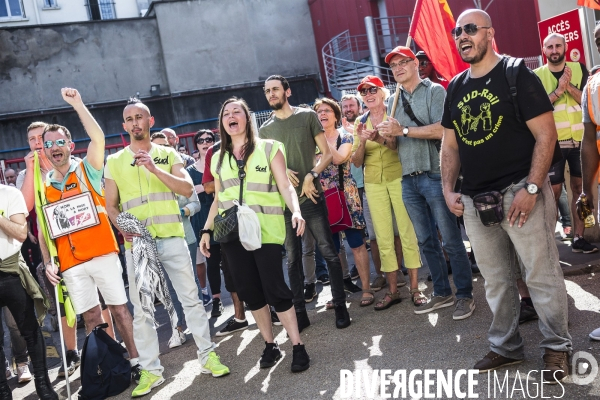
400,178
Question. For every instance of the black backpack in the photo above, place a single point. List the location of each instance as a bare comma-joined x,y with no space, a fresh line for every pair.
104,370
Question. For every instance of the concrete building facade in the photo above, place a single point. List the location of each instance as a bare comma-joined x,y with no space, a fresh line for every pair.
184,59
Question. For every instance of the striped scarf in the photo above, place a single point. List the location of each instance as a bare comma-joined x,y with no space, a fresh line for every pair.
149,278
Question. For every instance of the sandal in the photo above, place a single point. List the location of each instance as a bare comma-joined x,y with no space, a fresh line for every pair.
418,298
384,304
366,301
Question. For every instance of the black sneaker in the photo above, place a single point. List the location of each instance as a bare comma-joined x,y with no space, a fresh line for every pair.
350,287
528,313
580,245
75,357
324,279
217,308
71,367
354,272
300,359
275,319
342,318
303,321
232,326
136,373
270,355
309,292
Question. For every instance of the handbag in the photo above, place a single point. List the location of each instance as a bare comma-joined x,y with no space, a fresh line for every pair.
226,225
337,206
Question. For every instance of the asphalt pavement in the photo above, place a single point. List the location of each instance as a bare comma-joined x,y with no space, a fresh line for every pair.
395,339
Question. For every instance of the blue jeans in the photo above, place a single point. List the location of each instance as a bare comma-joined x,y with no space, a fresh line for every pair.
426,206
317,223
497,248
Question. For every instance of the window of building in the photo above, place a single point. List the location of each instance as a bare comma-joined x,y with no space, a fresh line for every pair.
101,9
11,9
50,4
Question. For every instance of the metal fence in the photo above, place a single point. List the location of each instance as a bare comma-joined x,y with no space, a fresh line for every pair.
533,62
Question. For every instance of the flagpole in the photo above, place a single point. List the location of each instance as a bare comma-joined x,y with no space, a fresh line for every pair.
62,337
397,94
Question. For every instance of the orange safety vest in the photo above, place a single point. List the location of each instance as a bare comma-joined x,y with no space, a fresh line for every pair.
593,105
81,246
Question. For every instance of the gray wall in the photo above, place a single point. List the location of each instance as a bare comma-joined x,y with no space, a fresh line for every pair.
213,42
210,49
105,60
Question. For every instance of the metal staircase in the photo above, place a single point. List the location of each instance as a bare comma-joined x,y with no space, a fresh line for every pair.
348,58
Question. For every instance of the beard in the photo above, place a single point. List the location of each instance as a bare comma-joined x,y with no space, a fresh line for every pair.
559,60
351,116
279,105
480,52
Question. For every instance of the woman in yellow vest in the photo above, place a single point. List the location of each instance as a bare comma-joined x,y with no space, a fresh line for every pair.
258,274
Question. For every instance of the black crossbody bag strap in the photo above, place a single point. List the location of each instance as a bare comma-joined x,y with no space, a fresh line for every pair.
341,166
408,110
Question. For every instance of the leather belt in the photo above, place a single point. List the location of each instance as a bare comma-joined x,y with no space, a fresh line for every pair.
415,173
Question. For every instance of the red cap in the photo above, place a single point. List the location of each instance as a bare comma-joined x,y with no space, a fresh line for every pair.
401,51
370,80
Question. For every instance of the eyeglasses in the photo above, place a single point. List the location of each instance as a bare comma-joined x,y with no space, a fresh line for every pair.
328,110
423,63
59,142
400,63
372,90
470,29
204,140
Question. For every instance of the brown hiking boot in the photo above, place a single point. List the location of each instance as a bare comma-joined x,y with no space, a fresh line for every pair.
494,361
556,366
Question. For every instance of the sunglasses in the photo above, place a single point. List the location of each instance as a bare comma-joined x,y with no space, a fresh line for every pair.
207,140
59,142
372,90
470,29
423,63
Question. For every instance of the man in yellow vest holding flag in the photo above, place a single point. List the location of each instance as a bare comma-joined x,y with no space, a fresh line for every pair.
564,82
75,217
143,180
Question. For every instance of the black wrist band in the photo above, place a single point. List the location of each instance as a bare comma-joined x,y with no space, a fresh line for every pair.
203,231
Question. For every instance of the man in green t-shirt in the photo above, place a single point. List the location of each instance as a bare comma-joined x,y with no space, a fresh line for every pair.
301,133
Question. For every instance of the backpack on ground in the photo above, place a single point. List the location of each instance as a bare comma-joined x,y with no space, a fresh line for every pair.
104,370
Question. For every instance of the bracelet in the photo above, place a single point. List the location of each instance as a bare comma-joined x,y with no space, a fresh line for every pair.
203,231
554,92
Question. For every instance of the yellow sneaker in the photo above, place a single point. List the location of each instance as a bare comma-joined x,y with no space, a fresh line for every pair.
148,381
213,366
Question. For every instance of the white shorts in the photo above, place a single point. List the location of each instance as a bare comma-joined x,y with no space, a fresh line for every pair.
101,273
199,257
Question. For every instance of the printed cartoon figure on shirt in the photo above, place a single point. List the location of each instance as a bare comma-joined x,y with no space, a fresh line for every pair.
480,127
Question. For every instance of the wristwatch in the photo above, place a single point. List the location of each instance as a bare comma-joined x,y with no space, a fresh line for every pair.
314,174
203,231
405,131
532,188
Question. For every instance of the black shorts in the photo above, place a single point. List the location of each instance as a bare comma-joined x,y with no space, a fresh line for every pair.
557,171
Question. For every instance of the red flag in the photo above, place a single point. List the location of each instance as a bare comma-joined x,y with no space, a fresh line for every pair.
595,4
430,28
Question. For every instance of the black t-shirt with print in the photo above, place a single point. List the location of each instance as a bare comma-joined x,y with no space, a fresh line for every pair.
495,150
